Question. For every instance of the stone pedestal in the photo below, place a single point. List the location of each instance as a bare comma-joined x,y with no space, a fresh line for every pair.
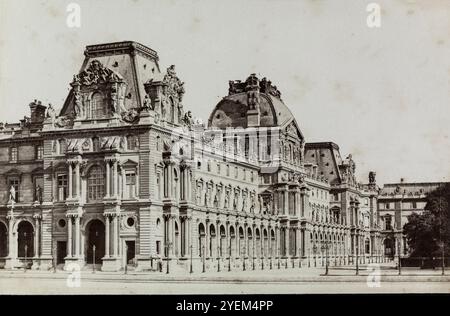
111,264
145,263
12,263
44,263
71,262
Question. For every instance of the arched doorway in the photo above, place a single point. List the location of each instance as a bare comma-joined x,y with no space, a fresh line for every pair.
95,237
3,240
25,239
389,249
201,240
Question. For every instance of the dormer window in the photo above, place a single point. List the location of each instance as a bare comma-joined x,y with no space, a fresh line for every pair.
97,106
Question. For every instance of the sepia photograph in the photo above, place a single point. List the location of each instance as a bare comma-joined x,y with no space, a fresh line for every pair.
193,147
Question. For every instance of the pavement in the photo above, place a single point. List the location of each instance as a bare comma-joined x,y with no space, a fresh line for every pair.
385,272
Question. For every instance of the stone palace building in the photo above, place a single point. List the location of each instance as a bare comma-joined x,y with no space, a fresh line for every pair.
124,175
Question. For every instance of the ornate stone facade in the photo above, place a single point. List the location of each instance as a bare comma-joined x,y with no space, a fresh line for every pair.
123,175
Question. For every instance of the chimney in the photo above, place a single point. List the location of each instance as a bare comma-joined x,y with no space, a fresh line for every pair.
37,111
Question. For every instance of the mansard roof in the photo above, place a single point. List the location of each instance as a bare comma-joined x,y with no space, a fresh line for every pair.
129,61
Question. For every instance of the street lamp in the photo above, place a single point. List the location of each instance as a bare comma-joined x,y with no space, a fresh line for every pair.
243,266
315,252
218,258
229,258
26,249
191,267
203,253
299,258
399,258
126,263
167,246
325,248
93,259
357,257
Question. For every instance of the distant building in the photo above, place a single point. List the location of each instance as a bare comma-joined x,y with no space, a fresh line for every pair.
396,202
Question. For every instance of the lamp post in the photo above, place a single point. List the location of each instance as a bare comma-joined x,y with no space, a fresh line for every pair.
168,245
54,258
229,258
191,270
126,262
357,251
93,259
218,259
325,248
399,258
243,266
315,252
203,254
299,258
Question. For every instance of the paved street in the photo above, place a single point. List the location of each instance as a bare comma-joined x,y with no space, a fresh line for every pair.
283,281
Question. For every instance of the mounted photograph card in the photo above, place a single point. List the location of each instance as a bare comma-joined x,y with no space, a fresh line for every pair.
195,147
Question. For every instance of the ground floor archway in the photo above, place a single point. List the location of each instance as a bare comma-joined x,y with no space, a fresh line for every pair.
3,240
25,239
95,236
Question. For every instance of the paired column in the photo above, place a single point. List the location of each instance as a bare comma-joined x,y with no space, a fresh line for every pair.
37,235
107,238
70,184
69,236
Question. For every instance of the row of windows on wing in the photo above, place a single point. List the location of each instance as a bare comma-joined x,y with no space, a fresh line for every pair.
94,144
338,244
228,197
14,155
404,205
247,149
217,170
96,184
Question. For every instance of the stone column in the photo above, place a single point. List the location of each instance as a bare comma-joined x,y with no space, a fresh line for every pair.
69,236
303,201
36,236
115,180
70,184
11,246
107,238
77,179
115,236
77,236
286,200
108,179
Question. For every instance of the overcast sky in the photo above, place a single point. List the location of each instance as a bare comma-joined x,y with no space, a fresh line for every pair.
381,94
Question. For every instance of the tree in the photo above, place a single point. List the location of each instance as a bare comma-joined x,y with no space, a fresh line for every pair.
428,232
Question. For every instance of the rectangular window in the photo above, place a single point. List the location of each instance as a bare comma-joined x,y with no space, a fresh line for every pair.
130,184
414,204
62,187
13,154
13,185
158,247
39,152
388,222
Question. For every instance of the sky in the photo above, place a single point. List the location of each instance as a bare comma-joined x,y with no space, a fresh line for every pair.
382,94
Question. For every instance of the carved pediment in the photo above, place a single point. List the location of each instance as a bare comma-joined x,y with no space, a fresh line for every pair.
96,73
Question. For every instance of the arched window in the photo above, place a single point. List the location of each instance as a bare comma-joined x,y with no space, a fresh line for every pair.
96,184
97,106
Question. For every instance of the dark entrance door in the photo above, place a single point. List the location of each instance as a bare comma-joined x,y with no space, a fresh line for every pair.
96,237
3,240
61,251
130,251
25,239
